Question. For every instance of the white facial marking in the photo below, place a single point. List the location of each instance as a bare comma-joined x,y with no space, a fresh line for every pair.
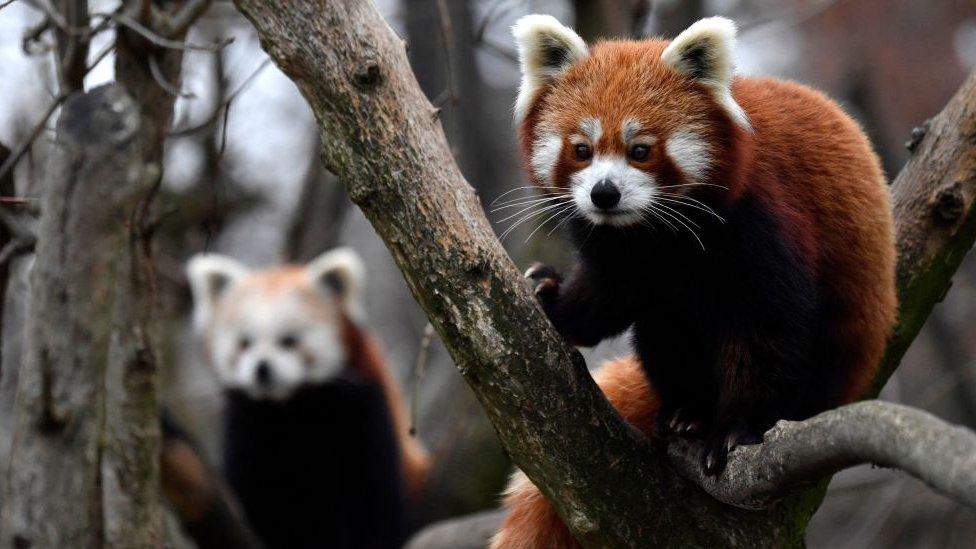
629,128
294,342
637,189
545,155
592,129
690,153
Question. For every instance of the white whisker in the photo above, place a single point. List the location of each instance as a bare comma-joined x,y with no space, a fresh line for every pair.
527,209
526,218
682,223
527,202
522,188
548,219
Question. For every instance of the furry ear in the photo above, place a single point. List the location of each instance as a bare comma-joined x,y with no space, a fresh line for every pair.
341,272
703,51
210,276
546,49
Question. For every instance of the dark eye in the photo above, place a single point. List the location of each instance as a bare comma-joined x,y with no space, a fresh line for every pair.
288,341
583,151
243,343
640,152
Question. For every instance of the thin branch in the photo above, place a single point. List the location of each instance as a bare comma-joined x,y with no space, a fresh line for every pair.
22,238
6,3
160,79
25,145
154,38
225,103
186,17
447,40
495,10
798,454
419,369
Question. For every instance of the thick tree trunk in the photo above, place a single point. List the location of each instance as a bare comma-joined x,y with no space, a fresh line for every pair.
610,486
74,460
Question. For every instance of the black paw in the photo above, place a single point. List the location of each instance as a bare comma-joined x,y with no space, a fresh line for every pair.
715,455
545,282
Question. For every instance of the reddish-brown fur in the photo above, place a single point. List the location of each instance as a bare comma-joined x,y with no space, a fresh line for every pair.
805,161
799,158
366,358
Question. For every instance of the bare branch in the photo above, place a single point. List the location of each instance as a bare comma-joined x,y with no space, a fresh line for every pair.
163,42
188,14
24,146
160,79
225,104
798,454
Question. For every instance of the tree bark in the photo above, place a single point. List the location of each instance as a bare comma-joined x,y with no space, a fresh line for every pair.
794,454
611,486
72,464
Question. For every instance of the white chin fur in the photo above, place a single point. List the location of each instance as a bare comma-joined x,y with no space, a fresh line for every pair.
637,189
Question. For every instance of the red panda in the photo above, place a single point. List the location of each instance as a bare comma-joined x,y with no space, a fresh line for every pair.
740,226
316,430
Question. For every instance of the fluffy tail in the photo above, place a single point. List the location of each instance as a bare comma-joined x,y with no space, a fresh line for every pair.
531,522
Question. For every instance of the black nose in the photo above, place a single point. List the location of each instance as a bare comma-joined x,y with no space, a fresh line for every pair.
262,373
605,195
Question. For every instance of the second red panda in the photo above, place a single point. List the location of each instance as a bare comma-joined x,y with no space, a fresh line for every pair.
316,438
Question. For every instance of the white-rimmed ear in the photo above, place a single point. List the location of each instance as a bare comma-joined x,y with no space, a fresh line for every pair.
341,272
704,51
546,49
210,276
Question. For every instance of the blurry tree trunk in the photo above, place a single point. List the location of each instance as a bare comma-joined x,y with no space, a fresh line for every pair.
596,19
673,17
319,214
78,470
380,137
447,71
84,465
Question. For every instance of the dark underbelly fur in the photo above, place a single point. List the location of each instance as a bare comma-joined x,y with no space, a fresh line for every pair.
318,470
730,337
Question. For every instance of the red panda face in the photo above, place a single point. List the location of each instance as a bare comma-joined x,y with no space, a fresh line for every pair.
625,128
270,332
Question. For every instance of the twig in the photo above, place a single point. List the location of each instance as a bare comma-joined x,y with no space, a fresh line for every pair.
22,238
109,48
185,18
447,38
224,104
24,145
798,454
419,369
7,3
162,42
495,10
160,79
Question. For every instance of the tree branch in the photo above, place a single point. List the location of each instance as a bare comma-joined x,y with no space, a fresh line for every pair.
796,454
611,486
